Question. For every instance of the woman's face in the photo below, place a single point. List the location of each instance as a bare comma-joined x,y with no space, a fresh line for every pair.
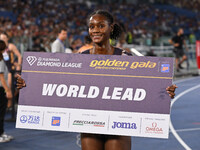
99,29
4,38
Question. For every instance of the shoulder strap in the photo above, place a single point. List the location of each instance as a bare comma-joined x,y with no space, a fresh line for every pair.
86,52
118,51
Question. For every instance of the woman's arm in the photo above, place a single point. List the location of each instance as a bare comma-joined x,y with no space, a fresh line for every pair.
5,86
14,49
7,90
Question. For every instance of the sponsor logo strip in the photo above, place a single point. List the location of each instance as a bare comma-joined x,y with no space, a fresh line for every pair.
93,121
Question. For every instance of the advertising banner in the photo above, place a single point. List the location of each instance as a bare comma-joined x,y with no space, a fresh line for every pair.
117,95
198,54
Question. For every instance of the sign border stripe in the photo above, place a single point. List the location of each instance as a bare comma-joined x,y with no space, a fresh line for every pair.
111,75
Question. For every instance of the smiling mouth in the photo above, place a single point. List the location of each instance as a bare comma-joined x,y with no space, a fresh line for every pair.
96,36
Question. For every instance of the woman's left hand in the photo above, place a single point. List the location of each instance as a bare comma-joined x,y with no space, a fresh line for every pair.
171,89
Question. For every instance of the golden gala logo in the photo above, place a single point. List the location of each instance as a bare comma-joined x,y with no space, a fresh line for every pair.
120,65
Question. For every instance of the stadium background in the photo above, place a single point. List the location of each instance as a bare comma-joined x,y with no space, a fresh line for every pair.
32,26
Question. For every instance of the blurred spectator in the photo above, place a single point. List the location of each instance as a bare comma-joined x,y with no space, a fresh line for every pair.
155,38
9,55
193,5
75,45
140,19
11,48
192,38
129,38
37,45
5,95
121,43
87,44
59,45
150,53
178,41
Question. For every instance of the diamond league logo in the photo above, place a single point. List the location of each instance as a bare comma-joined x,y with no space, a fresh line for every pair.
31,60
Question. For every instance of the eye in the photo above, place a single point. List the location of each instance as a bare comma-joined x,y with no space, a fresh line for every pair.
91,26
101,26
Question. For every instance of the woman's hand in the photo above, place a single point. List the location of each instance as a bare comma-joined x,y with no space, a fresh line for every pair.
20,82
171,89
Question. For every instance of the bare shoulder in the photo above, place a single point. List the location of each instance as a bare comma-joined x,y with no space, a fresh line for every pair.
11,46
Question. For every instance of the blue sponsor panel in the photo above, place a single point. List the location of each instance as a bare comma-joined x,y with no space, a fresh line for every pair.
165,68
30,119
55,121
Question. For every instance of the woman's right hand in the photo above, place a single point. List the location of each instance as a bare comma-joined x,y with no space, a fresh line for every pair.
20,82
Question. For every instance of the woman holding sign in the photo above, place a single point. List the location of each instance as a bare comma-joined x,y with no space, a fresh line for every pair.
101,29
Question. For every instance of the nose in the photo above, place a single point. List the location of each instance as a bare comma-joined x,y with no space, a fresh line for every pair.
95,29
